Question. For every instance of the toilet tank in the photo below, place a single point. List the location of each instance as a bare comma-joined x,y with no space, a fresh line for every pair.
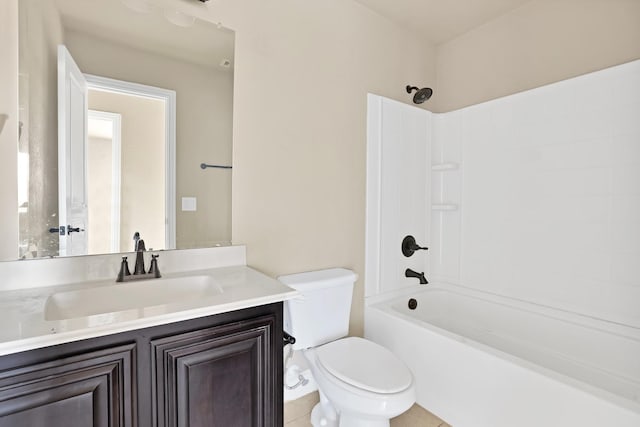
321,314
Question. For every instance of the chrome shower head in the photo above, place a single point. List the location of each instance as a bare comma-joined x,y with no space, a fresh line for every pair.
421,95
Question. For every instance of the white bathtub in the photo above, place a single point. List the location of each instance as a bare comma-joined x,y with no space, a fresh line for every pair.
481,360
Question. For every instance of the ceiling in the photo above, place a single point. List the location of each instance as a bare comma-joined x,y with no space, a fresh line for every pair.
437,21
202,43
441,20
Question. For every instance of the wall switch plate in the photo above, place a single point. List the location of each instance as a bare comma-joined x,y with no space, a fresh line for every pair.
189,204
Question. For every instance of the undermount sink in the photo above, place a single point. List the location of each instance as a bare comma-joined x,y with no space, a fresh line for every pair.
130,295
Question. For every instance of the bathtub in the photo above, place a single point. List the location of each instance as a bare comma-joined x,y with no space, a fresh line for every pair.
481,360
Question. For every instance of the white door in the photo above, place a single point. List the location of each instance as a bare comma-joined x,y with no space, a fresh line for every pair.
72,155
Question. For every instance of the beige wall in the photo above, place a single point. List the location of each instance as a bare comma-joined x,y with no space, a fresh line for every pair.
303,70
8,129
204,128
302,73
142,190
40,34
542,42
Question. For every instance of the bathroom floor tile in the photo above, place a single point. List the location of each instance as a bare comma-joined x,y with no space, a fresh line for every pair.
418,417
300,422
298,412
300,408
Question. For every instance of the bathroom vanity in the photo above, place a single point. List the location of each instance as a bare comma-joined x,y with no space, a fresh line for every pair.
221,370
214,360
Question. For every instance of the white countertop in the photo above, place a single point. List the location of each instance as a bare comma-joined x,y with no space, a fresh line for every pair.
24,327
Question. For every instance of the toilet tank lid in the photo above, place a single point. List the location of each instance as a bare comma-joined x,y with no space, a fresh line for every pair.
319,279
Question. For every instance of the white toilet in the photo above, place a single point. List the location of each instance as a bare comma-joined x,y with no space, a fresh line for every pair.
361,383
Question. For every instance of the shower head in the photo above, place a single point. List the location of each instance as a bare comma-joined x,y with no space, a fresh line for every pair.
421,95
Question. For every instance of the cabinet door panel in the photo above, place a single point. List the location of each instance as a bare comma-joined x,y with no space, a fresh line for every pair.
93,389
215,377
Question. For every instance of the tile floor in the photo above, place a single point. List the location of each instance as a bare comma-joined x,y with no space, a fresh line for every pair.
297,413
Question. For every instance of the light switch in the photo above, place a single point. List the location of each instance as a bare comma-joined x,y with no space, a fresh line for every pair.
189,204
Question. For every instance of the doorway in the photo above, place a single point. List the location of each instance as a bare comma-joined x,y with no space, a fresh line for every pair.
147,166
104,140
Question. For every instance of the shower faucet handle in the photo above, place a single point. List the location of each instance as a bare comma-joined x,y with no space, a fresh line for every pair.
409,246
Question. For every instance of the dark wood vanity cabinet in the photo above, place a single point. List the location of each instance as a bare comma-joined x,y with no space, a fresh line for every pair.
214,377
217,371
90,389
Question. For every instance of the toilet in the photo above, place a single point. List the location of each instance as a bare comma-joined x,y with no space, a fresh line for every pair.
361,383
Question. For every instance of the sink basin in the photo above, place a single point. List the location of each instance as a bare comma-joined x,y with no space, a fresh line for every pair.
129,295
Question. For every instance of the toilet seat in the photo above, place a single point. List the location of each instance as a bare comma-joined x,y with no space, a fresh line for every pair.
365,365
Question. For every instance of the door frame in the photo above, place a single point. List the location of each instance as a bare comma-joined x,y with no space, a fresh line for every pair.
169,97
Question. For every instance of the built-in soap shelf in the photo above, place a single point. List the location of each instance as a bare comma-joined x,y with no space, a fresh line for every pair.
444,167
445,207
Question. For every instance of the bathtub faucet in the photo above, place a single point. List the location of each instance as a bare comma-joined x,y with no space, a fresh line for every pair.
409,246
410,273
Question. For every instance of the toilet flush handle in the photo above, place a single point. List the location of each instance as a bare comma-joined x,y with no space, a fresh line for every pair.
288,339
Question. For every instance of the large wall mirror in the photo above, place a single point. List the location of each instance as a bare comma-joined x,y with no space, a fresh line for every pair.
122,106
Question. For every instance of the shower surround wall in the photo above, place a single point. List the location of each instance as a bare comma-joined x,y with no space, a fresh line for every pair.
398,167
548,195
532,211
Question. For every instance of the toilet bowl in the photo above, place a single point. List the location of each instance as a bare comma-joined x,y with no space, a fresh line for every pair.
361,383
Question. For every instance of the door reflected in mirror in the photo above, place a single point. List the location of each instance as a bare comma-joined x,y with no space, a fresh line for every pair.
96,163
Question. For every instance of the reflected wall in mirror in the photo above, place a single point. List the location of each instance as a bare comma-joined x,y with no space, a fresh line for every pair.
119,178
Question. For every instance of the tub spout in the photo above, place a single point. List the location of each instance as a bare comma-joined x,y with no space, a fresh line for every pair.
410,273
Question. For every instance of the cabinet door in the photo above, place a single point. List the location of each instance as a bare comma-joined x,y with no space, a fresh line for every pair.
217,377
94,389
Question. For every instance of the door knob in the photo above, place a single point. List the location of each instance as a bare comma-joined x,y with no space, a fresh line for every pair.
60,230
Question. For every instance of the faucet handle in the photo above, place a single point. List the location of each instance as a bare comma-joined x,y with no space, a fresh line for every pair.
124,270
153,269
409,246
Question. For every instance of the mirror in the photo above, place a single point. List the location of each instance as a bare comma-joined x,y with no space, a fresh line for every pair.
123,154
